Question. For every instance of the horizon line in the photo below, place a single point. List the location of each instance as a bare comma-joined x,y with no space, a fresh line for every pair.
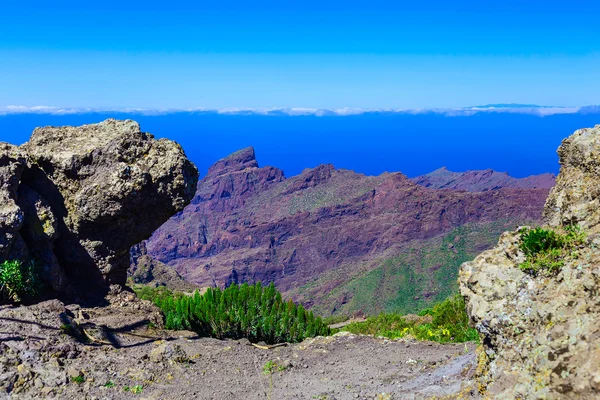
513,108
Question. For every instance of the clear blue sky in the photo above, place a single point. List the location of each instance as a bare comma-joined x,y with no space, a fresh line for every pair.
178,54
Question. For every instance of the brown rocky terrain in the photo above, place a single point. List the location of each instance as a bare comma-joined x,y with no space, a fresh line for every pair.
480,181
75,199
319,235
50,350
541,333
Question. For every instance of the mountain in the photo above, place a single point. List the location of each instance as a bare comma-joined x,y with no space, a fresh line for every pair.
480,181
336,240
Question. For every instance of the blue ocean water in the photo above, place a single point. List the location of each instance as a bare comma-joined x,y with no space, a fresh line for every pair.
371,143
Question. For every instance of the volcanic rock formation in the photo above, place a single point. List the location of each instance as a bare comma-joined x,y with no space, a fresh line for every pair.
75,199
314,233
541,335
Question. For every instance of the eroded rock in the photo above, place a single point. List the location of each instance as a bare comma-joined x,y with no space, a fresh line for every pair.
575,198
541,335
12,165
80,197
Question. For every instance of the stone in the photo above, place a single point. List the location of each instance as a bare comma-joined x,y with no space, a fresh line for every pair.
76,199
575,198
168,352
541,335
12,165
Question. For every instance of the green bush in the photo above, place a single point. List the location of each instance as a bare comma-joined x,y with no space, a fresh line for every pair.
546,250
448,322
254,312
17,280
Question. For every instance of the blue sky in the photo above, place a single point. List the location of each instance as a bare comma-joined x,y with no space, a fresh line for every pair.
325,54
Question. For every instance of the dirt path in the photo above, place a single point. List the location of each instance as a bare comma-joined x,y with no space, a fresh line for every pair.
38,361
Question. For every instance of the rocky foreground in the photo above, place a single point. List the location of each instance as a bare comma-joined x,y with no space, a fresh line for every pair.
120,352
541,335
75,199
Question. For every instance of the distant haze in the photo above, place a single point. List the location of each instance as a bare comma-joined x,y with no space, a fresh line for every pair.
521,144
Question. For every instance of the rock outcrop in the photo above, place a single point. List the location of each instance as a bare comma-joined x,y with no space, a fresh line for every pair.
541,335
75,199
576,197
480,181
148,271
312,234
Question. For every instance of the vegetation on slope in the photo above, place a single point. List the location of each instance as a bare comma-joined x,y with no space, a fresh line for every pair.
420,275
241,311
546,250
445,322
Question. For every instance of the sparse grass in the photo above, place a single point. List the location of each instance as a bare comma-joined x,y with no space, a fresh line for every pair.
109,384
78,379
447,322
17,280
546,250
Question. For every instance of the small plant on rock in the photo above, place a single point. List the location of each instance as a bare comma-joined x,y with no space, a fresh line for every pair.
546,250
17,280
78,379
137,389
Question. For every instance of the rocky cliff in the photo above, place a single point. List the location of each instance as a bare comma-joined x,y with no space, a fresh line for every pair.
73,200
334,239
541,334
480,181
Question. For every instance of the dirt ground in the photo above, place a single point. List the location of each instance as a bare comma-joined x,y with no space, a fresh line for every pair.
120,352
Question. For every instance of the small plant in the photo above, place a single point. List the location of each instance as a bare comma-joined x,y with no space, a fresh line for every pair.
126,388
547,250
109,384
78,379
17,280
269,369
446,322
137,389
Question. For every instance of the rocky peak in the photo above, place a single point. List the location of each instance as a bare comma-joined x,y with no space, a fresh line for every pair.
238,161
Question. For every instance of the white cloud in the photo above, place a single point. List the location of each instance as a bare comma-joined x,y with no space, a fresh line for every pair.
451,112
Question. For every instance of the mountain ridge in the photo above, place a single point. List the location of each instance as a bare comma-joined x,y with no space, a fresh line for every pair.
322,228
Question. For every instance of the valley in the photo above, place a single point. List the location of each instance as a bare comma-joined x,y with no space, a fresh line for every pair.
338,241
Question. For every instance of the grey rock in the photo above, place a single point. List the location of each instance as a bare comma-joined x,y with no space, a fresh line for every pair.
12,165
541,334
168,352
76,199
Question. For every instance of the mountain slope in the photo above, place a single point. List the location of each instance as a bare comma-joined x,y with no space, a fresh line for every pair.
314,233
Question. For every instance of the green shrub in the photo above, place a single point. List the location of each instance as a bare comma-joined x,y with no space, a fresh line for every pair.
546,250
251,311
17,280
448,323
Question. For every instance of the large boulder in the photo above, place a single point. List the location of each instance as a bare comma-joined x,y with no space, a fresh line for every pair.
576,197
86,195
12,165
541,334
